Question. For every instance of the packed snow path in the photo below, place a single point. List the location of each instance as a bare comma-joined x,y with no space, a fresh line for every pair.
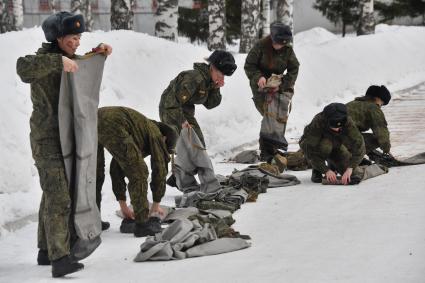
406,121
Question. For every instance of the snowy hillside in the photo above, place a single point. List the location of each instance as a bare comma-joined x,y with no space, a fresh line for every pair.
369,233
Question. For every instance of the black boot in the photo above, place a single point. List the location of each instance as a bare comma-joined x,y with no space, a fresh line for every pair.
171,181
64,266
43,257
355,179
365,161
316,176
127,226
105,225
149,228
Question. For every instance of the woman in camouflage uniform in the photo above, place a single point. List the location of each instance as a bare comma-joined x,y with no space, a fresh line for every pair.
43,71
271,55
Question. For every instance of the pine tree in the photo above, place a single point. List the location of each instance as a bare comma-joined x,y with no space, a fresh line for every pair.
401,8
217,24
166,19
285,14
83,7
367,19
122,14
345,12
193,23
250,20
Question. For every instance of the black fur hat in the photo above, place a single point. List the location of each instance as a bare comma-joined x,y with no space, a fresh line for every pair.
223,61
280,33
61,24
379,91
335,114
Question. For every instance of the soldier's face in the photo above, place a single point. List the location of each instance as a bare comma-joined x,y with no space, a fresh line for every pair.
69,43
217,77
277,46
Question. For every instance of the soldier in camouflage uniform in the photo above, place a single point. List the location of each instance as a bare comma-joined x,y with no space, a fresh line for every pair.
130,137
198,86
271,55
333,144
43,71
367,115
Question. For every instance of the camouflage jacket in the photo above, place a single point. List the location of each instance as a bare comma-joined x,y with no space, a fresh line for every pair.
257,65
145,134
367,115
190,88
318,129
43,71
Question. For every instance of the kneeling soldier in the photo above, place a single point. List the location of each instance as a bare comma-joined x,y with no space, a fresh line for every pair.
367,115
129,137
333,137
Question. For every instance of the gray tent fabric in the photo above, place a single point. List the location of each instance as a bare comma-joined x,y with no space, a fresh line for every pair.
183,239
232,195
247,157
78,103
371,171
282,180
365,171
414,160
193,159
181,213
275,116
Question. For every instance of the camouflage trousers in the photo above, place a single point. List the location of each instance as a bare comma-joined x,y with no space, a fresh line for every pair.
127,162
370,141
168,116
55,207
337,156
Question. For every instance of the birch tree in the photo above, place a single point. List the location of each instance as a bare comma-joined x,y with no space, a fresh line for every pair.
250,20
11,15
265,19
285,13
83,7
166,18
122,14
217,24
52,5
367,19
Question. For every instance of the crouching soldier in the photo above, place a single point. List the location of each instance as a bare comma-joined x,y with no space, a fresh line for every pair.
130,137
43,71
367,115
198,86
333,144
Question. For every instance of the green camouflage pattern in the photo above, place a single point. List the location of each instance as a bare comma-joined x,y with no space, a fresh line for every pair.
369,116
257,66
43,71
130,137
340,150
178,100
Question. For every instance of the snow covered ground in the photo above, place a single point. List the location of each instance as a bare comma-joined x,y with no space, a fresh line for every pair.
374,232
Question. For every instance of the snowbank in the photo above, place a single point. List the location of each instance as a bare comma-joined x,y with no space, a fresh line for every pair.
141,66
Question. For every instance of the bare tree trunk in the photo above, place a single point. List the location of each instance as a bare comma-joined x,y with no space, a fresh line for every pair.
367,20
83,7
166,19
250,20
18,14
285,13
266,15
217,24
122,14
52,5
11,17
